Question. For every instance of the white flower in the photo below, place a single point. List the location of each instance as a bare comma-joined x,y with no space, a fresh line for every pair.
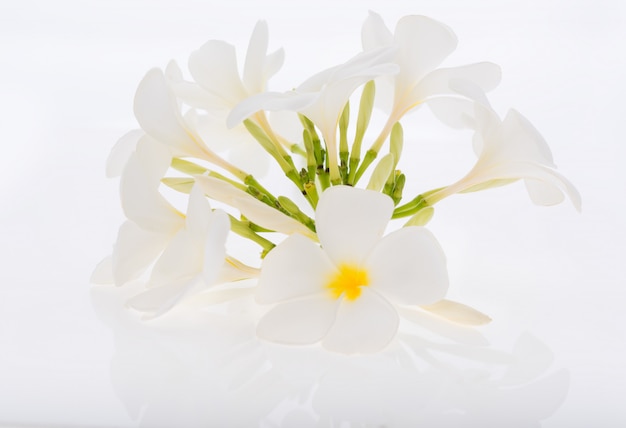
323,96
159,114
509,150
219,88
421,46
192,260
344,293
214,68
152,221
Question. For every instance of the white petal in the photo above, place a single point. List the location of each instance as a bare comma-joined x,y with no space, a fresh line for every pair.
454,112
520,141
538,173
484,76
365,325
196,96
156,110
233,270
375,33
287,124
542,193
135,249
141,200
215,247
253,78
408,267
158,300
296,267
423,44
198,212
214,67
249,156
181,259
273,63
121,152
270,101
103,273
338,83
299,322
350,221
457,312
173,73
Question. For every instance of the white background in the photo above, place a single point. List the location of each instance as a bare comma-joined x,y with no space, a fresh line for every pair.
68,72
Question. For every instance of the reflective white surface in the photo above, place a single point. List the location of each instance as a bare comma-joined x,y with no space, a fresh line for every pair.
551,279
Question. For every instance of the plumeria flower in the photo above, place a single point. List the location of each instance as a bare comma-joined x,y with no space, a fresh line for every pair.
421,46
152,220
345,293
218,88
192,260
510,150
323,96
159,114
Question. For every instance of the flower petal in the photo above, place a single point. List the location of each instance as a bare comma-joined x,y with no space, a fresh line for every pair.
520,140
182,258
270,101
198,211
156,110
538,174
103,273
423,44
484,75
214,67
365,325
350,221
259,66
375,33
299,322
454,112
409,267
297,267
542,193
141,200
457,312
215,246
121,152
134,250
156,301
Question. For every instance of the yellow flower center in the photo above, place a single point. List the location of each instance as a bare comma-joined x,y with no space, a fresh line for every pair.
348,281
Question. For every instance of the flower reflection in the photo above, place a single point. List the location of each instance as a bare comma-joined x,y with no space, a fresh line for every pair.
199,368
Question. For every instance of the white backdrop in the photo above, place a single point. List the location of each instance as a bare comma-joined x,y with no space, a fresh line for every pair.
68,72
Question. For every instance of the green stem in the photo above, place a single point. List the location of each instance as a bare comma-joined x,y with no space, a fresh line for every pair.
243,229
370,156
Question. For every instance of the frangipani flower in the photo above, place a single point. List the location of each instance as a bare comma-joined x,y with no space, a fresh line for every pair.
421,46
152,221
158,112
344,293
323,96
219,88
192,260
509,150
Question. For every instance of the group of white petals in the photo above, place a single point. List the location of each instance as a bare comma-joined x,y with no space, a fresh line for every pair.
332,276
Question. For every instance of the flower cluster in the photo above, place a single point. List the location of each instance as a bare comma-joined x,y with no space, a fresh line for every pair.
327,272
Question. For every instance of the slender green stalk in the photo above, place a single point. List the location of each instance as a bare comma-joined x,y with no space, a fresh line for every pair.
366,107
242,228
